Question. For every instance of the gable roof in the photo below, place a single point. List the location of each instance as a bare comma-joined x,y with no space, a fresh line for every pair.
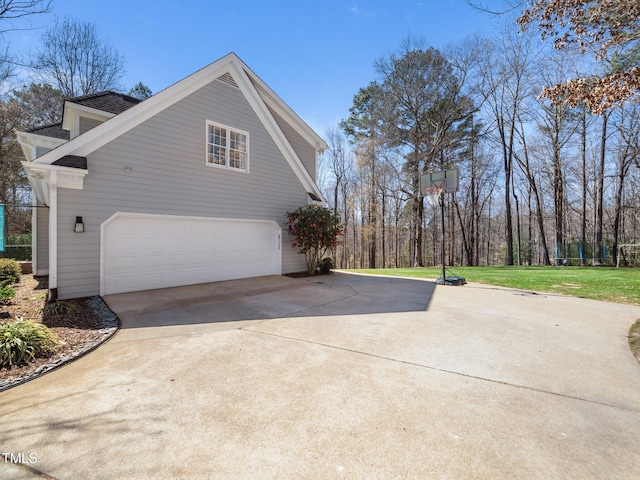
255,91
107,101
54,131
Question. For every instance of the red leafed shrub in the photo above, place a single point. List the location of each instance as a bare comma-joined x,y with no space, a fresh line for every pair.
314,230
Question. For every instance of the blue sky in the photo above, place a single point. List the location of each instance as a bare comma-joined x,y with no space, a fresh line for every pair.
314,55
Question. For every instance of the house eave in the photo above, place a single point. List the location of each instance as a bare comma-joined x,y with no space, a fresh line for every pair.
70,108
39,176
282,109
30,141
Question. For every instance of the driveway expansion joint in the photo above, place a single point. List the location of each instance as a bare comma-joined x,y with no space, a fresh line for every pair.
443,370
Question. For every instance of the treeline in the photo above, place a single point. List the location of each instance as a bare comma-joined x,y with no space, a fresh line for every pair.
540,183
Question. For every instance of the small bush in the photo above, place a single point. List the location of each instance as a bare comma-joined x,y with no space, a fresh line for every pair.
59,308
22,341
325,266
6,293
10,272
314,230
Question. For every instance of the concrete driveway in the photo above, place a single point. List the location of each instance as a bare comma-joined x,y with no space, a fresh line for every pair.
343,376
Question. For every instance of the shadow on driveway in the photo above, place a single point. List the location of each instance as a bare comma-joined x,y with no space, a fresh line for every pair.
270,297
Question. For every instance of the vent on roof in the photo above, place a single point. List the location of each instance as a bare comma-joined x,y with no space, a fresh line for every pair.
228,79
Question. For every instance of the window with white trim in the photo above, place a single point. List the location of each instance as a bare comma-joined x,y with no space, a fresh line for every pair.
227,147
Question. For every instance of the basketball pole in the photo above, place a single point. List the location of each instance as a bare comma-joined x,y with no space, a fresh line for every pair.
442,256
435,185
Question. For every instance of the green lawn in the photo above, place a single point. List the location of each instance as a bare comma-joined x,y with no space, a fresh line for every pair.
620,285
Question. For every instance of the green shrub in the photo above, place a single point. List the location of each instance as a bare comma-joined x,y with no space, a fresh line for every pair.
59,308
314,229
22,341
6,293
325,266
10,272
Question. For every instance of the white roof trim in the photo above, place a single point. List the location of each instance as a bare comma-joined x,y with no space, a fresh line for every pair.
282,109
31,141
39,140
260,108
108,131
70,108
39,176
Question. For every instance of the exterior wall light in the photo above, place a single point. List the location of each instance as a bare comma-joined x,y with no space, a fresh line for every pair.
79,228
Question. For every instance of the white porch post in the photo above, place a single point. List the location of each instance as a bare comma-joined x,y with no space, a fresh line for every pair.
34,232
53,233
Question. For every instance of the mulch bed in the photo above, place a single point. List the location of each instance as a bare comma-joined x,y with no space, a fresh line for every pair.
83,328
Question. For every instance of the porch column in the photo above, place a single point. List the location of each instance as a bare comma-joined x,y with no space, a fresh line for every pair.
53,234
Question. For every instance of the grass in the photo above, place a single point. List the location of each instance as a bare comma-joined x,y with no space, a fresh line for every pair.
620,285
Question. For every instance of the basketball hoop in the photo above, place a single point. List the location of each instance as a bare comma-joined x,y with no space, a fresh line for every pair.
433,194
433,186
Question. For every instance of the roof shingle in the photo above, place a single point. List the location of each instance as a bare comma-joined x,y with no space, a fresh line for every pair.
73,161
108,101
54,131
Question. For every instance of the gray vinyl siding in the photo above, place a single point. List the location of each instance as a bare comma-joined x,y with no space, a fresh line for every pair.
87,124
168,175
305,151
42,241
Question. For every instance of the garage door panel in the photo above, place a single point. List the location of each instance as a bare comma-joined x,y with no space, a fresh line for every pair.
122,263
120,241
142,252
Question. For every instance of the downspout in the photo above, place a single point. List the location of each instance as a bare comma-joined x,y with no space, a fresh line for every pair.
53,236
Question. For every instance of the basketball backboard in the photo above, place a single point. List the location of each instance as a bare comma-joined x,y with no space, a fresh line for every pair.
447,180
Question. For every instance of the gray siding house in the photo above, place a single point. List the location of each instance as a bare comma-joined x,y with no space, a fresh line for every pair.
189,186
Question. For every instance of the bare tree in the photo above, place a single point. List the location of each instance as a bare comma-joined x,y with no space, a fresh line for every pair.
557,124
77,60
508,71
627,124
585,120
338,164
13,181
531,174
11,10
599,200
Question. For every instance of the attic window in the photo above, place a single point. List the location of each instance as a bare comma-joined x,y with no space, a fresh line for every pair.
228,79
227,148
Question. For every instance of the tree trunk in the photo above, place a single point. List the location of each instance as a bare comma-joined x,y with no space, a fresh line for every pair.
373,212
507,205
597,248
583,213
558,194
617,216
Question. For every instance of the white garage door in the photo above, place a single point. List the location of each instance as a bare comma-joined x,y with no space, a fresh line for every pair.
142,252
